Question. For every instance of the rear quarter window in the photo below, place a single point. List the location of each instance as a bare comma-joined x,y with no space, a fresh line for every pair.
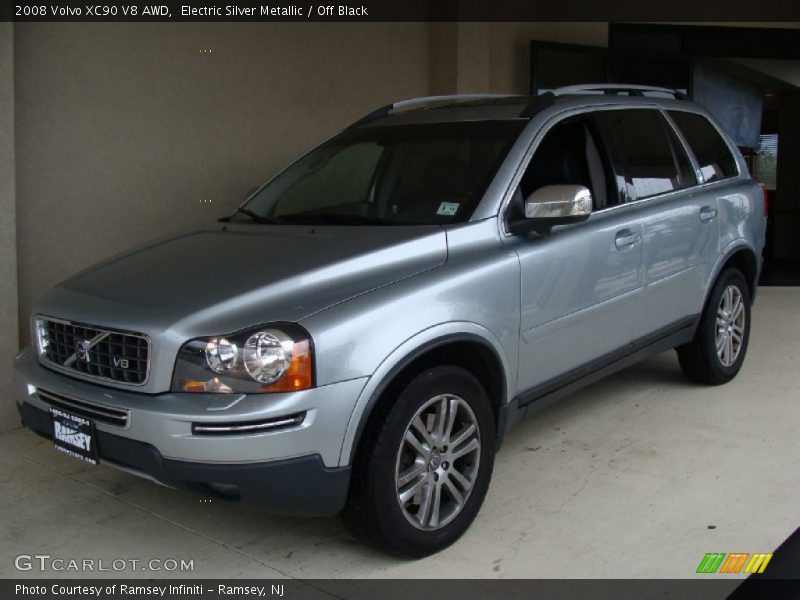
713,155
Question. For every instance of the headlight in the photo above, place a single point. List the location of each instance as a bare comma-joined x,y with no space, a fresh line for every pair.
267,359
42,342
221,355
267,355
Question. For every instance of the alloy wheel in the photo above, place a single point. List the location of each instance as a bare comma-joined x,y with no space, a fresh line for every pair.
730,326
437,462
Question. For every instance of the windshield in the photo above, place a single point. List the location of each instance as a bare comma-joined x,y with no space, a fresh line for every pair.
392,175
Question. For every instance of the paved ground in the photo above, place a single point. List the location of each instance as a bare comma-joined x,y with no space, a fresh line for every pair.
637,476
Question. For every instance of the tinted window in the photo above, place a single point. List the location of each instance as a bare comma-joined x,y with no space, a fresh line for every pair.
686,176
716,160
651,162
403,174
568,154
346,174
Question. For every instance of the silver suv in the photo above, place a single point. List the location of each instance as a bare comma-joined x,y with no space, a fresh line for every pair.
361,333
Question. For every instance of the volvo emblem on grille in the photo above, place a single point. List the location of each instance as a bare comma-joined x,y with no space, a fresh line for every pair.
82,350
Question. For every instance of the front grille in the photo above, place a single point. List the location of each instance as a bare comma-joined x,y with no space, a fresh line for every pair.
106,354
106,414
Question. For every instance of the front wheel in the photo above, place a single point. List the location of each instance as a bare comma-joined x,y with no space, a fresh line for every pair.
424,464
717,351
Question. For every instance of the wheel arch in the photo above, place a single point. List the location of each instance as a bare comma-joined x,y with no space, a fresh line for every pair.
742,257
477,352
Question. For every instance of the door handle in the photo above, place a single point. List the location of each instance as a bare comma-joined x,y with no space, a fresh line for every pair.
626,238
707,214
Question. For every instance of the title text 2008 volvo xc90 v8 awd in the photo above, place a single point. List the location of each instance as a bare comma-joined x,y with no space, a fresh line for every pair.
359,335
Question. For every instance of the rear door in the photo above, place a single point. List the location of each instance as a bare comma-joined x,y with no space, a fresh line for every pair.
717,168
679,222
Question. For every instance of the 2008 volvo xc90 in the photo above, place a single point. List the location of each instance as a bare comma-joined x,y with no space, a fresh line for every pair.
359,335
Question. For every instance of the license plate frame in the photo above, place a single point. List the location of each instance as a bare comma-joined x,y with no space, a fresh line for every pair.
74,435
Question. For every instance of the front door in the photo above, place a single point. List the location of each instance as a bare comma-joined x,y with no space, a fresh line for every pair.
580,284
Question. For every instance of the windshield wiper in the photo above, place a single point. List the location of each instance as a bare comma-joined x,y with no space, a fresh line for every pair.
249,213
334,219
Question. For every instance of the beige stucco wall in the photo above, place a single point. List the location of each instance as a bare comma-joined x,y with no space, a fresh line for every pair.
510,49
8,244
474,58
123,130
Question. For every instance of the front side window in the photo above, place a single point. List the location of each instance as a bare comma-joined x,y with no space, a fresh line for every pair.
711,151
568,154
419,174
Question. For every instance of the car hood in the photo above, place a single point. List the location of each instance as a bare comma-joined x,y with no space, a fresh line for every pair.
220,280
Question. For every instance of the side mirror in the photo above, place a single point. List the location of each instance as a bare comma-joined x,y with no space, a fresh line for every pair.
557,205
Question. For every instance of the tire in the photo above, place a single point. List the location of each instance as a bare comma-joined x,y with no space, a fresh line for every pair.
699,359
388,464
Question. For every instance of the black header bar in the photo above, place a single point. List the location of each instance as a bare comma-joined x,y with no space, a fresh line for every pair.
398,10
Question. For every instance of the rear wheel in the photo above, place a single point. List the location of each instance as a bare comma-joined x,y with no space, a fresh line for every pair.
717,351
424,464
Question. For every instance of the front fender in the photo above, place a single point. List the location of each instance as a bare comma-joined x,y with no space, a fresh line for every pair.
407,352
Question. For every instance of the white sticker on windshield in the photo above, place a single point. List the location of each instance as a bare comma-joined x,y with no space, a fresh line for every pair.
448,209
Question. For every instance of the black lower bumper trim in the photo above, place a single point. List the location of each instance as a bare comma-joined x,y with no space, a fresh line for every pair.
301,486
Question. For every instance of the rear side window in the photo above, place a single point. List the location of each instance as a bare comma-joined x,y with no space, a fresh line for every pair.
713,155
652,162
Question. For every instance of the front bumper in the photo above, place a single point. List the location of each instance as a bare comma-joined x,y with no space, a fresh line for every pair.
294,470
300,486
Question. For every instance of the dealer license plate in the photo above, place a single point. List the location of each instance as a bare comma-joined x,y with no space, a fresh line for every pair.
74,435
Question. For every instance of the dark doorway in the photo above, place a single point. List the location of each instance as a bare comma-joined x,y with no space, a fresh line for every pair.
557,65
728,71
782,129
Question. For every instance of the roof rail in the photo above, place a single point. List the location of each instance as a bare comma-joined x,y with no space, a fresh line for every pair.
419,102
616,88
